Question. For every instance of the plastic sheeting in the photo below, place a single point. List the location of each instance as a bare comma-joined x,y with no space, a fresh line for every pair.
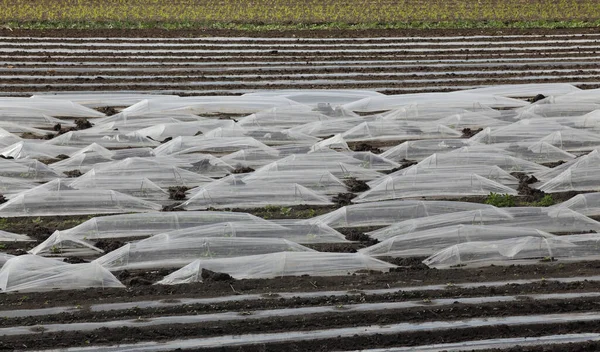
543,108
232,192
537,152
50,107
449,100
421,149
4,258
590,160
426,243
30,273
27,169
267,135
63,244
505,162
279,265
107,140
574,179
389,130
207,105
143,225
78,202
387,212
587,204
493,173
13,237
553,220
202,144
163,251
317,97
318,181
282,118
517,250
135,185
35,150
432,185
298,231
162,174
162,131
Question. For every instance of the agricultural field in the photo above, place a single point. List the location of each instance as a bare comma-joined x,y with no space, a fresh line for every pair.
299,176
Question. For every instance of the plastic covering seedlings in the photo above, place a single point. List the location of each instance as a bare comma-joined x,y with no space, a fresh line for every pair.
388,212
427,242
63,244
587,204
30,273
144,225
278,265
454,185
521,250
74,203
164,251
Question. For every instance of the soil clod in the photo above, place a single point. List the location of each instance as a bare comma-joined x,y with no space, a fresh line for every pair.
178,192
73,173
343,199
83,124
468,133
209,275
355,185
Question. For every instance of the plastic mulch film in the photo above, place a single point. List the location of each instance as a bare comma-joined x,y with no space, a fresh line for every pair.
266,135
254,158
134,185
337,143
126,123
543,108
527,90
13,237
317,97
425,112
574,179
573,140
163,175
16,129
74,203
388,212
203,164
327,128
493,173
99,100
58,184
330,159
587,204
298,231
590,121
472,120
537,152
590,160
207,105
201,144
30,273
86,158
553,220
31,118
232,192
7,138
318,181
4,258
386,130
582,96
51,107
419,150
27,169
282,118
463,100
63,244
83,138
148,224
35,150
432,185
10,186
426,243
522,250
278,265
566,138
162,131
162,251
505,162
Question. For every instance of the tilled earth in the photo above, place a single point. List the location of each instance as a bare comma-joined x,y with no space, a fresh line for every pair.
230,62
552,303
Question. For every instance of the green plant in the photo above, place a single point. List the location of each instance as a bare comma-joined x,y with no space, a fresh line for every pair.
546,201
2,246
500,200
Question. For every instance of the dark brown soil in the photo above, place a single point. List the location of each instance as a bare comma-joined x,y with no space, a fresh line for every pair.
73,173
356,186
366,147
468,133
178,192
242,170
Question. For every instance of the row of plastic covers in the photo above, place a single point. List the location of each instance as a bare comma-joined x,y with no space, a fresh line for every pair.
286,148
